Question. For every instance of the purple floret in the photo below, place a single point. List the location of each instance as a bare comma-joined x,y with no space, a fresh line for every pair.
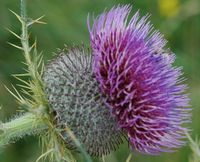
141,87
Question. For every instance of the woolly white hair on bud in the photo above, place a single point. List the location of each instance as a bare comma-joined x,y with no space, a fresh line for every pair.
74,97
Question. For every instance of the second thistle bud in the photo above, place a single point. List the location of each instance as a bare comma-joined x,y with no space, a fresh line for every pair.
74,97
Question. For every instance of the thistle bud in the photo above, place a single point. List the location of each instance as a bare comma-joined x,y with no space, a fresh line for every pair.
73,94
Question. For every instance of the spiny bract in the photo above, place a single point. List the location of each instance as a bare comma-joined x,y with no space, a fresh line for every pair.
74,97
141,87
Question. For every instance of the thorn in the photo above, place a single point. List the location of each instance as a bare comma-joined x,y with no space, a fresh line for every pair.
103,158
29,35
23,81
23,86
20,75
18,47
15,96
37,21
40,60
45,154
18,17
33,46
42,69
21,98
129,158
13,33
1,127
26,70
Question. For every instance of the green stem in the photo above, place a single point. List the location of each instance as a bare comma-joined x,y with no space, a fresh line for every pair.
32,66
27,124
25,41
25,45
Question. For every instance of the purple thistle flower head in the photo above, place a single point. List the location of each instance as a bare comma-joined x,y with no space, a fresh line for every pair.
139,84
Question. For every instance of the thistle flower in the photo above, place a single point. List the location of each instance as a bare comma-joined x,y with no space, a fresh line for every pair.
73,94
142,89
127,85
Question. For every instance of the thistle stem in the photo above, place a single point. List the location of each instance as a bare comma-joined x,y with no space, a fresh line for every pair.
27,124
25,41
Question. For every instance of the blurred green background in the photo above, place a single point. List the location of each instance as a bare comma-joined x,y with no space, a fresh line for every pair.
178,20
